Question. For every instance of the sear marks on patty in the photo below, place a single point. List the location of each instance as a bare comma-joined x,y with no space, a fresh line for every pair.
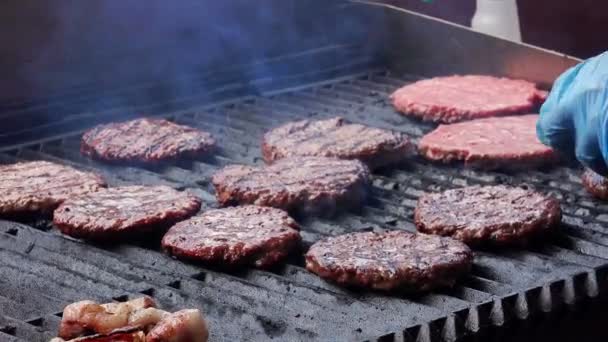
394,260
337,138
595,184
144,141
41,186
488,214
124,211
506,142
458,98
304,184
137,320
236,236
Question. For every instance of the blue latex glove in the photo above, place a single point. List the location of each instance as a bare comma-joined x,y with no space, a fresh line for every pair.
574,119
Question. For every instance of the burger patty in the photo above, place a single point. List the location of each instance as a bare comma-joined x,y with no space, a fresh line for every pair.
487,214
395,260
458,98
144,140
307,184
336,138
596,184
236,236
40,186
124,211
507,142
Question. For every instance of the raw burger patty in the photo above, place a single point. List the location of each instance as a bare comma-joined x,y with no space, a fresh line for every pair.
494,214
457,98
303,183
144,140
508,142
395,260
247,235
40,186
596,185
337,138
124,211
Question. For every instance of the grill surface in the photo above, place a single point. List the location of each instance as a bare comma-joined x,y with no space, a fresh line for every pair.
42,271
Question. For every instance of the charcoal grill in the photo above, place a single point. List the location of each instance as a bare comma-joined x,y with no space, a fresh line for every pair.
517,294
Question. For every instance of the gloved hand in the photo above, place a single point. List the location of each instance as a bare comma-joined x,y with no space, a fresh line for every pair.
574,119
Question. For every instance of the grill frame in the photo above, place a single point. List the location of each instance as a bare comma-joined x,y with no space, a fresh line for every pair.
509,289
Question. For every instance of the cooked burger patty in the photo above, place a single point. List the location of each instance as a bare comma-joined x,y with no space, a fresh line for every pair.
123,211
487,214
144,140
337,138
507,142
236,236
596,184
40,186
458,98
302,183
393,260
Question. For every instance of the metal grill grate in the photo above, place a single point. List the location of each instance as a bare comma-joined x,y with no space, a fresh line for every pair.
42,271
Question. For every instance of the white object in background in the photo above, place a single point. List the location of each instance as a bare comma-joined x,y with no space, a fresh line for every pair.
498,18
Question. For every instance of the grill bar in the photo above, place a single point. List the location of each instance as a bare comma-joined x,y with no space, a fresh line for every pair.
290,303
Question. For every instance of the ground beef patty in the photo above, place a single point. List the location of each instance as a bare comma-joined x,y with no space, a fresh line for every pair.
308,184
40,186
124,211
507,142
144,141
337,138
488,214
236,236
457,98
596,184
395,260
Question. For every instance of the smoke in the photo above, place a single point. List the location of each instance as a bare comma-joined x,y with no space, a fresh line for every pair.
117,50
110,45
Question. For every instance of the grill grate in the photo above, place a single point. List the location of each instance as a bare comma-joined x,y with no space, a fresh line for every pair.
42,271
